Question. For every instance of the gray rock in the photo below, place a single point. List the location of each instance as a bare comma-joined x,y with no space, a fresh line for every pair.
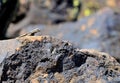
99,31
41,59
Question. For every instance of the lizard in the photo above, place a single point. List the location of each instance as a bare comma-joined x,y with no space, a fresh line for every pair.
31,33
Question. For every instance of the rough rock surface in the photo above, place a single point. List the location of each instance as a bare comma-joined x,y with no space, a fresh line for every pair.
100,31
43,59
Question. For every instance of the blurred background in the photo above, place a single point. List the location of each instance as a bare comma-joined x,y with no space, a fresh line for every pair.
93,24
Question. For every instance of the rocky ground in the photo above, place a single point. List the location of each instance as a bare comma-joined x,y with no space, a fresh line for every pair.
66,55
99,31
43,59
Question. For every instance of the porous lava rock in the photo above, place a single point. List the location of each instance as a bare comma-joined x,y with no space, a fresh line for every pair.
44,59
99,31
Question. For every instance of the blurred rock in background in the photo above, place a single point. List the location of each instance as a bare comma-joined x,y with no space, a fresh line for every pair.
99,30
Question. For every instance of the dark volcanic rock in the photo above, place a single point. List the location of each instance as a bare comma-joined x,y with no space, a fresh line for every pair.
49,60
99,31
